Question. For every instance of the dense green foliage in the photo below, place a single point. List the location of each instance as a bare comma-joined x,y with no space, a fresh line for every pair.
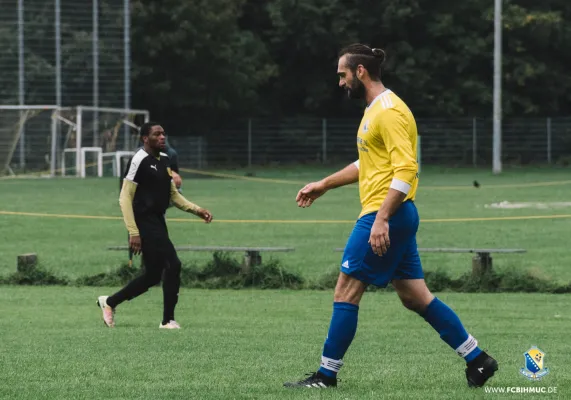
278,57
225,272
195,62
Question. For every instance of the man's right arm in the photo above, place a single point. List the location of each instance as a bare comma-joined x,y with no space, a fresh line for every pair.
347,176
312,191
133,177
126,202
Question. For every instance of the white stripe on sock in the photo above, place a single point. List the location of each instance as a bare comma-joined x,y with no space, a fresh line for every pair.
331,364
467,347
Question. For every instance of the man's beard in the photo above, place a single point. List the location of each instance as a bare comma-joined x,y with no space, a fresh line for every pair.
356,91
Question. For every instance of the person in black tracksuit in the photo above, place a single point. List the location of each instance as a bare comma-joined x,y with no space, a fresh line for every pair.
147,192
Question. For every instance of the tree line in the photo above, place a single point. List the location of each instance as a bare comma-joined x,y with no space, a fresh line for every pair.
196,62
207,59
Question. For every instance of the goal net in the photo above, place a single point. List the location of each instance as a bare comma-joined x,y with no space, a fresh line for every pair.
26,134
95,141
67,141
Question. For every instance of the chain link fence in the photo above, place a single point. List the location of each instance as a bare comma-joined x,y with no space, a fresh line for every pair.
62,53
445,142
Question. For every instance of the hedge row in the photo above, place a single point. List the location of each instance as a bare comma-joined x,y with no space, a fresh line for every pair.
224,272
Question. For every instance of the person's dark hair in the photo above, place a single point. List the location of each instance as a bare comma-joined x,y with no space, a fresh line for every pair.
146,128
360,54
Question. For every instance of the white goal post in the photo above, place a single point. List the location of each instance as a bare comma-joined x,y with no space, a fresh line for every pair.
116,158
83,150
23,129
36,139
98,130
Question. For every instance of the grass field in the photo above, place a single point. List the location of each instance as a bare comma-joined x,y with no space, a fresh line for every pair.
245,344
45,220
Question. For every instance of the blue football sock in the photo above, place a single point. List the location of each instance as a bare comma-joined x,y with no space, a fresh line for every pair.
445,321
341,333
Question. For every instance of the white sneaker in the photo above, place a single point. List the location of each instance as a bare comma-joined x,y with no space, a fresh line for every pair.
108,312
170,325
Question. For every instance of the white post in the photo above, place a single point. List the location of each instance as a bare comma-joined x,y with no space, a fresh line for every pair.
126,64
21,78
95,51
54,145
549,140
249,142
58,51
324,141
57,29
497,164
78,160
100,164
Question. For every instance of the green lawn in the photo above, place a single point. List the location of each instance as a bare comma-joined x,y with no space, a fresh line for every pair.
245,344
264,213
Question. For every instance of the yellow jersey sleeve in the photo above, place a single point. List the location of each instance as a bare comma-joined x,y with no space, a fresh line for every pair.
394,131
126,202
181,202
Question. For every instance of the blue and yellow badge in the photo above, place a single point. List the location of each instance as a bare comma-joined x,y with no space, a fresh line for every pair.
534,368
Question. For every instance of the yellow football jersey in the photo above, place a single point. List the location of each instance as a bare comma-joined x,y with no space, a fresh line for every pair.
386,142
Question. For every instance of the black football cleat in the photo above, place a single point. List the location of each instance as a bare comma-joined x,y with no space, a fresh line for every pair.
316,380
480,369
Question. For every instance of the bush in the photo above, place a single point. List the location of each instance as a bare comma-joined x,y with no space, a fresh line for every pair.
119,277
224,272
36,276
510,280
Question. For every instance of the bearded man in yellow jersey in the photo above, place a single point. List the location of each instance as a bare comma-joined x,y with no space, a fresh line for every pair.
382,247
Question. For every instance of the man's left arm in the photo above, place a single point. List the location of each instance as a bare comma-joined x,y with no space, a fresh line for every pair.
183,204
394,134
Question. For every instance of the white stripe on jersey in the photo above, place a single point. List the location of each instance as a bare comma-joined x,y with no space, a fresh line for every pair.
135,163
380,97
387,102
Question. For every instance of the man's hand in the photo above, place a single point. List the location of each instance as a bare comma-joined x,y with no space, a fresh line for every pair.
309,193
204,214
135,244
176,179
379,238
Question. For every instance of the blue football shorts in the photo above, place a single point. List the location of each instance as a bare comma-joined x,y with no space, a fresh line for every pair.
401,261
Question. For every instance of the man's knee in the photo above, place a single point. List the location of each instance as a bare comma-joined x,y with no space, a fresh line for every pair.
413,304
348,290
173,269
152,277
414,294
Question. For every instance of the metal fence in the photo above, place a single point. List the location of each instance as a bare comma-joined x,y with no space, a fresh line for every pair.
449,142
63,53
255,142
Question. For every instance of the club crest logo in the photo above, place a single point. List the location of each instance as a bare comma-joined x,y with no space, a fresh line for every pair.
534,368
366,126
